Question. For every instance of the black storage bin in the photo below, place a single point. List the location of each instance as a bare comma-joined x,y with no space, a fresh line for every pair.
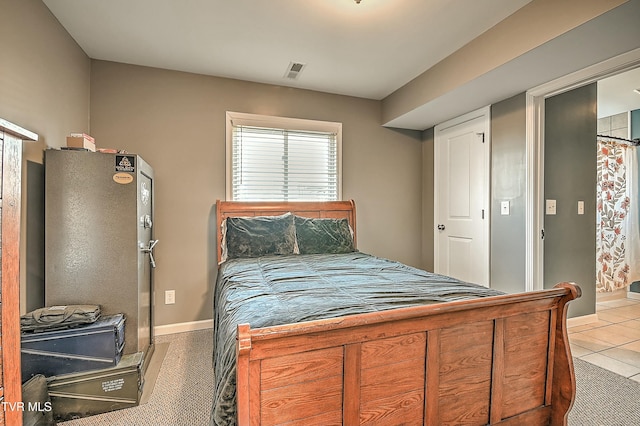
83,348
94,392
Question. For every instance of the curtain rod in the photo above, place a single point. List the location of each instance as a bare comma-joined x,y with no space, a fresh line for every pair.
635,142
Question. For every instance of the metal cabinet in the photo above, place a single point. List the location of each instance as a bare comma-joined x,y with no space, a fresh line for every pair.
99,237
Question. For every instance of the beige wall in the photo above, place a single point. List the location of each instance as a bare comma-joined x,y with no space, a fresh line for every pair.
44,87
44,75
427,199
176,122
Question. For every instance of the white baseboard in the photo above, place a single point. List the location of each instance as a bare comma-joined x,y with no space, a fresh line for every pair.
612,295
633,295
161,330
582,320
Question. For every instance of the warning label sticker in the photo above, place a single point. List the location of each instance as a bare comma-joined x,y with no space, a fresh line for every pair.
113,385
125,163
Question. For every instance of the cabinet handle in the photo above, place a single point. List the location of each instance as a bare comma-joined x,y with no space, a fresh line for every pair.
152,244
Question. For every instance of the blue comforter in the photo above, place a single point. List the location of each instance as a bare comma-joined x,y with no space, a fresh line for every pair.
276,290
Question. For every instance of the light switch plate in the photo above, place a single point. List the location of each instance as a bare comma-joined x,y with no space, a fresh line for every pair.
580,207
550,207
504,208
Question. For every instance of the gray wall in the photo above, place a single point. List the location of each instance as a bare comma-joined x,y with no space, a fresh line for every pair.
570,176
572,245
176,122
33,295
508,183
508,179
44,87
427,200
635,134
635,124
44,75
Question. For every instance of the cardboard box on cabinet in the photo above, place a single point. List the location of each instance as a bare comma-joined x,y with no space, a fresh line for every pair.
81,141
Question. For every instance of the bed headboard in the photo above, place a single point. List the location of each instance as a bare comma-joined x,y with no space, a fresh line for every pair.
320,209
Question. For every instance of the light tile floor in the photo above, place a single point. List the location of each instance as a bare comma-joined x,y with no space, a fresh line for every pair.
613,342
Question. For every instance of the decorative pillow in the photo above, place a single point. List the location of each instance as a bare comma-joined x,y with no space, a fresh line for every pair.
258,236
329,236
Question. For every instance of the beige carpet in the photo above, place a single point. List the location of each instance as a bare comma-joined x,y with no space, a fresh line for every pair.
604,398
183,391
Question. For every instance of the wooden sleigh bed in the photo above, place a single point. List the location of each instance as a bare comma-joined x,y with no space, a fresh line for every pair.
502,359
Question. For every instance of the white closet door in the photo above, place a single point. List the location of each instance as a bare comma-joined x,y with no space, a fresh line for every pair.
461,176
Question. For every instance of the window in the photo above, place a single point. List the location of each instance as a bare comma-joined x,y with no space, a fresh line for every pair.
288,159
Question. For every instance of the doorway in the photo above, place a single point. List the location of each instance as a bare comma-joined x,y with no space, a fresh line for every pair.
535,124
604,332
619,120
613,341
571,206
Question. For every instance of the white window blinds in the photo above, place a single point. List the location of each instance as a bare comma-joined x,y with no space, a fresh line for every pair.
283,164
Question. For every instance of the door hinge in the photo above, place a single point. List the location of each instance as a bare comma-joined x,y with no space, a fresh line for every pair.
481,134
483,213
542,234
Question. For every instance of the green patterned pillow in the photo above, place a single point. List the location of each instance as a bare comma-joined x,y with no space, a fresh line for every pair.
329,236
259,236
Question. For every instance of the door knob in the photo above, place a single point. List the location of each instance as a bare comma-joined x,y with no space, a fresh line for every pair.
441,227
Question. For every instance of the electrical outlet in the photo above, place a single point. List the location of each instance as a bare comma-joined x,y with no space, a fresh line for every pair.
169,297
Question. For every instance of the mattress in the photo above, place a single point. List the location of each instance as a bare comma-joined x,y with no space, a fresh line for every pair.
277,290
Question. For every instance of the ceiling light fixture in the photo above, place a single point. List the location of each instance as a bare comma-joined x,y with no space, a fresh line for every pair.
357,1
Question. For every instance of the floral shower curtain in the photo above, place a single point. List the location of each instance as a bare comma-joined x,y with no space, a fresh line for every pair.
617,236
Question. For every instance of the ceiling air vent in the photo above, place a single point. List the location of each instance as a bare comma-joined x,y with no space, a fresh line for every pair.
293,70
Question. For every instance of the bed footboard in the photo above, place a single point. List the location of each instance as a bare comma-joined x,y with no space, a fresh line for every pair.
496,360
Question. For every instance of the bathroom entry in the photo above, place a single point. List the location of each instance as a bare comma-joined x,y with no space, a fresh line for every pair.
617,222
